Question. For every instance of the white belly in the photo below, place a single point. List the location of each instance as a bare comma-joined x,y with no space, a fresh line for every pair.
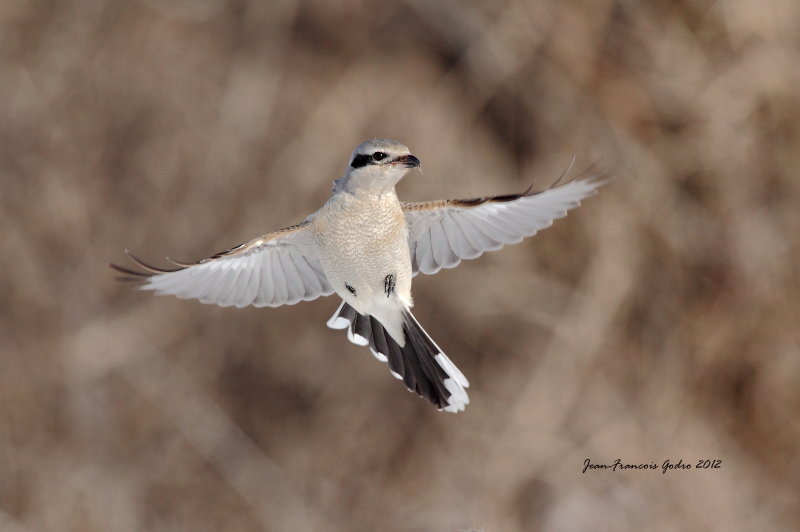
361,243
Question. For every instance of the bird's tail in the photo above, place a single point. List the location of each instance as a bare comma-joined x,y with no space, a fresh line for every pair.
419,362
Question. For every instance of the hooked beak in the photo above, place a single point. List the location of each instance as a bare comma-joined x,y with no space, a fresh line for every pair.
407,161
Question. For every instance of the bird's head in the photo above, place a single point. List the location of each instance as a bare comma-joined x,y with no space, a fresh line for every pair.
377,165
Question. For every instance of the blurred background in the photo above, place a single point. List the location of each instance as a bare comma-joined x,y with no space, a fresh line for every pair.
658,321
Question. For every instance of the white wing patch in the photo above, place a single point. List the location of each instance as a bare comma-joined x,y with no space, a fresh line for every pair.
266,278
269,271
442,234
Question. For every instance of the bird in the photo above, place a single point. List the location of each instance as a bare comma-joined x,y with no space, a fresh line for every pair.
366,246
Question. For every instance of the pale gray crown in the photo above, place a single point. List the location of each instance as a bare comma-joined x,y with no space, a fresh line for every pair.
367,150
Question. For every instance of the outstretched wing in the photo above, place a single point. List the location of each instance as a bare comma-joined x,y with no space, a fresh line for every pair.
272,270
442,233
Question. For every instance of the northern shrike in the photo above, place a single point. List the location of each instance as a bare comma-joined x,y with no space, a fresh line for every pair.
365,245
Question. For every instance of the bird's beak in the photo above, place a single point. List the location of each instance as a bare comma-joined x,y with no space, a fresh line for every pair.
407,161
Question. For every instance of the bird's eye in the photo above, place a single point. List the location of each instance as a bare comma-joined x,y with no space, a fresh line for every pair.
378,156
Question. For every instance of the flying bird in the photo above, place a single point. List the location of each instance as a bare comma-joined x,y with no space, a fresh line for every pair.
365,245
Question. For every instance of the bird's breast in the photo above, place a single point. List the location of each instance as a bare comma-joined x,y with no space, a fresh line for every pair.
363,249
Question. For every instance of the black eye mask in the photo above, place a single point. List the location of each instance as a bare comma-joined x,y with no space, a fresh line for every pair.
360,160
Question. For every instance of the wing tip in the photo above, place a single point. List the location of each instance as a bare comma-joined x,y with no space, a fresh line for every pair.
153,269
136,275
130,274
593,175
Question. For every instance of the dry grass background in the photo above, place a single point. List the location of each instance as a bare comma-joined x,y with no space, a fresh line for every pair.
657,321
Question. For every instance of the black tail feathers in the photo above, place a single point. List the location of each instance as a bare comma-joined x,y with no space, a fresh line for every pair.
419,363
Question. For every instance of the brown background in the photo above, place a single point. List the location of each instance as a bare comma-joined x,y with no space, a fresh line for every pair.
658,321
